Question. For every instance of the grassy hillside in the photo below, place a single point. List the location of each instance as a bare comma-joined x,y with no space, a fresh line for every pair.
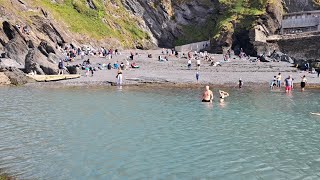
240,12
106,20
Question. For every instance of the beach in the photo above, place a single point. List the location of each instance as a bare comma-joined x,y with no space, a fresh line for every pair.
176,73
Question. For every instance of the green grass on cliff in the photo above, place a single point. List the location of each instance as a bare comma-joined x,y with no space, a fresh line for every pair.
239,12
106,21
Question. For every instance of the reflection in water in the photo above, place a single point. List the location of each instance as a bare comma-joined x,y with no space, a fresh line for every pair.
158,134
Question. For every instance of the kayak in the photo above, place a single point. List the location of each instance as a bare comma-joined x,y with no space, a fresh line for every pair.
47,78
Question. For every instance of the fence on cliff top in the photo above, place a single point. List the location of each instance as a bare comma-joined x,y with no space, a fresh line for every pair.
198,46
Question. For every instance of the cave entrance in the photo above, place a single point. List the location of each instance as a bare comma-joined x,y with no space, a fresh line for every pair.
241,39
7,30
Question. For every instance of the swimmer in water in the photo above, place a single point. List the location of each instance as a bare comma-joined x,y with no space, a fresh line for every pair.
223,95
207,95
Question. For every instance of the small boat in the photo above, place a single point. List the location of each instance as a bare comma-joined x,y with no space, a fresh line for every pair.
47,78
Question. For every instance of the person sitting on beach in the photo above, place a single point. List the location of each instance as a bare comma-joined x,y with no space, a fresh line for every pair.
109,67
215,64
116,65
134,65
223,95
149,55
161,59
122,66
207,95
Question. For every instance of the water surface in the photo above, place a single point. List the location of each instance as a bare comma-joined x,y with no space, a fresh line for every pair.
86,133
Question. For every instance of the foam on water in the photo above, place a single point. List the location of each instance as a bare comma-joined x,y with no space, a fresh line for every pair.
158,134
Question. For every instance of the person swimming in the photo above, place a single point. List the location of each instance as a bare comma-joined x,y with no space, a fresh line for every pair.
223,95
207,95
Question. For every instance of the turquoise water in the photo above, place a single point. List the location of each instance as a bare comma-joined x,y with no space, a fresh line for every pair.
85,133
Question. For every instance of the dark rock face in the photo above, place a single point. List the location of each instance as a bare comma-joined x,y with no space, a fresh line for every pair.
301,48
73,69
17,49
165,20
36,61
45,26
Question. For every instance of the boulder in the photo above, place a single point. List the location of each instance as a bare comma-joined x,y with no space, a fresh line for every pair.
14,75
73,69
279,56
45,48
36,61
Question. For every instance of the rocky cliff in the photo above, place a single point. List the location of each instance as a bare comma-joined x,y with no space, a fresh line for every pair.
32,31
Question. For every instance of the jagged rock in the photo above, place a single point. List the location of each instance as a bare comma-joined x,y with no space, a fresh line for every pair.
10,63
45,26
279,56
36,61
17,49
14,75
45,48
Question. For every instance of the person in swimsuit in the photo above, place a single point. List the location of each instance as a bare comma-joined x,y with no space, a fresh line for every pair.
207,95
223,95
289,83
303,82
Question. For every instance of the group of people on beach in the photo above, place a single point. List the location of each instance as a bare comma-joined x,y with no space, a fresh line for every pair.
288,82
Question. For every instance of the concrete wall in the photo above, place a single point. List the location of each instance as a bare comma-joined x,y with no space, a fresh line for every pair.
198,46
304,22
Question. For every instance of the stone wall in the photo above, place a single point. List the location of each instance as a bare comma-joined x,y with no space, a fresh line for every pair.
198,46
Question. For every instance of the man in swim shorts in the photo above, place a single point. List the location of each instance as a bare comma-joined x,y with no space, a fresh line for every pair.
288,83
207,95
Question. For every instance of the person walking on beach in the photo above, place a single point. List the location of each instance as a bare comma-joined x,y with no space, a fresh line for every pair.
207,95
279,80
197,76
119,77
288,84
198,64
189,64
240,83
61,67
303,82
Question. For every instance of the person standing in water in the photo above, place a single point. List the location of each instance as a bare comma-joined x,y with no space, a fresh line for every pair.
303,82
240,83
197,76
288,82
119,77
207,95
279,80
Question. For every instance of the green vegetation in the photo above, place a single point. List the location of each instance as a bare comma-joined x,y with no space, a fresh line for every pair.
107,20
242,12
